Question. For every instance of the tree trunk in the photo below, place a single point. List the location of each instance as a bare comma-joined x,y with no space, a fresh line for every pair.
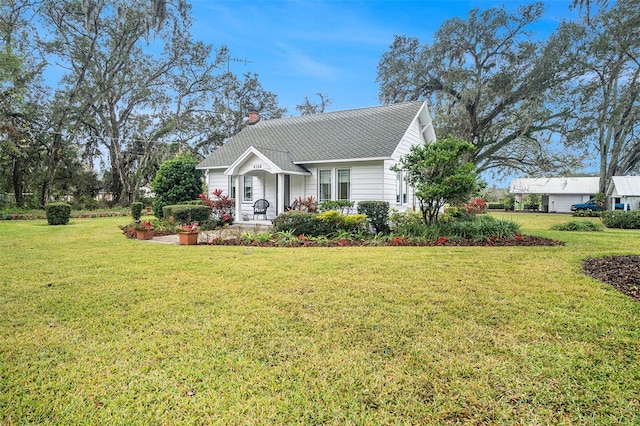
18,188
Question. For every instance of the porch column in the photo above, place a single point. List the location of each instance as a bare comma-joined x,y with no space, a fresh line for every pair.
280,195
239,195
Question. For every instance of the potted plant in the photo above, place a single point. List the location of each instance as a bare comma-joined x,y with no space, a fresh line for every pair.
189,234
144,230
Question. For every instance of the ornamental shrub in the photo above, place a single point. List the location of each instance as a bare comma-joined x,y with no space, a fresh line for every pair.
58,213
378,214
578,225
177,181
621,219
187,213
483,228
343,206
301,222
136,210
586,213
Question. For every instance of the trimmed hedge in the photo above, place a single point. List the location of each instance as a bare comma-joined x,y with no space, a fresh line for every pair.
136,210
343,206
187,213
302,222
324,224
621,219
58,213
378,214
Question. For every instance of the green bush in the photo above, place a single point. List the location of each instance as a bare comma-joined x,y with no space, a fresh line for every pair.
136,210
341,205
302,222
378,214
341,222
187,213
482,228
397,218
177,181
586,213
58,213
578,225
621,219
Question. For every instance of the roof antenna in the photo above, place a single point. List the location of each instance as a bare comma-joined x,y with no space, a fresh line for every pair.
227,57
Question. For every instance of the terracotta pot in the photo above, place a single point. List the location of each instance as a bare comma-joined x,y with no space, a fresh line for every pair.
144,235
188,238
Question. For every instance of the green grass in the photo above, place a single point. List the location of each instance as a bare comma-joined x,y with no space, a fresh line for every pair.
99,329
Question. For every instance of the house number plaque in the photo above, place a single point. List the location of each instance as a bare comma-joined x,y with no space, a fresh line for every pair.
257,166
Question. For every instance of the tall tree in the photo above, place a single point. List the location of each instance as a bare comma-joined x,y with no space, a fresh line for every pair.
21,100
127,97
607,97
488,84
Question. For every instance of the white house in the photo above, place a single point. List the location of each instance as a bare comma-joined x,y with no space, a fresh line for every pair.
626,190
558,194
343,155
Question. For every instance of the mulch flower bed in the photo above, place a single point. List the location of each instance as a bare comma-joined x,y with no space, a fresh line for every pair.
622,272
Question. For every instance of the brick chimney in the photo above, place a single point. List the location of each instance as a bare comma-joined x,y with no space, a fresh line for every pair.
254,116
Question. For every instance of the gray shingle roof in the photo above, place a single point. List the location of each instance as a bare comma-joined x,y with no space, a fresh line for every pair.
352,134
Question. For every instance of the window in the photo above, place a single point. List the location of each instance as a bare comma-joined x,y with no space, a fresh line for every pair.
232,187
344,184
324,185
248,188
401,188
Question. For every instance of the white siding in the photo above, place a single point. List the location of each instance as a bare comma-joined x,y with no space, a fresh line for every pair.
298,188
218,180
413,137
254,164
562,203
367,180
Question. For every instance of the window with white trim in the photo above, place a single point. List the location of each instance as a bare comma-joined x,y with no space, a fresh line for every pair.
248,188
232,187
402,187
344,184
324,185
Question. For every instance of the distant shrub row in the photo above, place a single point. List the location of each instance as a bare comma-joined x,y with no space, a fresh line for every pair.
621,219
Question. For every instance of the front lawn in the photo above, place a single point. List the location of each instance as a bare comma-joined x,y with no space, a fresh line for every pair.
96,328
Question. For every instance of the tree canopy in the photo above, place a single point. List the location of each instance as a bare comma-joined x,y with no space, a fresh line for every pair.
489,83
135,88
606,99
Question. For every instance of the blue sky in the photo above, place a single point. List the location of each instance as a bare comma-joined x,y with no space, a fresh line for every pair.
303,47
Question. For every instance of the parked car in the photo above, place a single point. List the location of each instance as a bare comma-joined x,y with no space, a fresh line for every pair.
591,205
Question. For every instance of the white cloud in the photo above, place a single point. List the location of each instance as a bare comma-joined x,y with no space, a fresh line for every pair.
302,63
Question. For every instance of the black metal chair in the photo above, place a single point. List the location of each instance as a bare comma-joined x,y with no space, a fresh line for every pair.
260,208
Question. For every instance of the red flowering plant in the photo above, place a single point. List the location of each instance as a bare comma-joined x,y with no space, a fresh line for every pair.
400,241
193,228
222,207
475,206
144,225
308,204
